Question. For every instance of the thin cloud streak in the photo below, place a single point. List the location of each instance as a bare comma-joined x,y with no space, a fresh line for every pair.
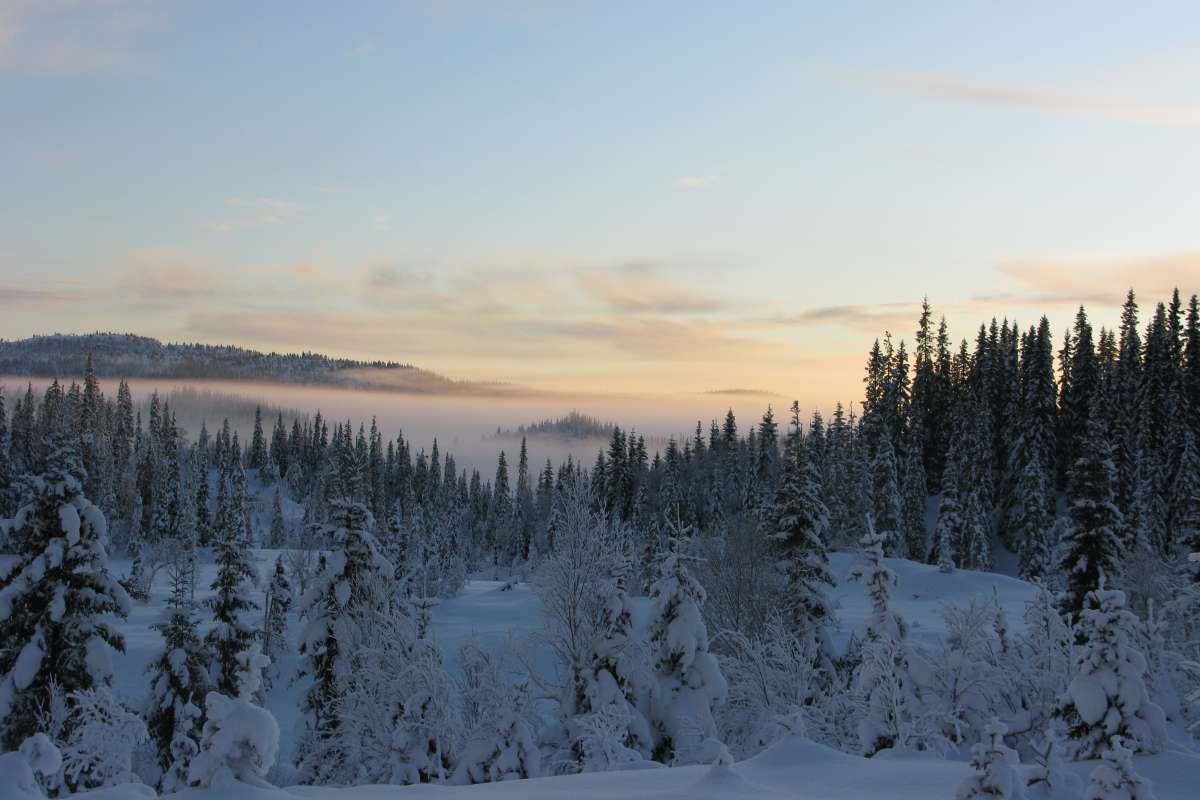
255,213
695,181
74,36
1036,98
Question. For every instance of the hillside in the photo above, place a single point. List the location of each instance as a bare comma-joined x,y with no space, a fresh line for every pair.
126,355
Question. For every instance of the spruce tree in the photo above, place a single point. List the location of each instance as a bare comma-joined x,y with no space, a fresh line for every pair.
279,604
1107,696
349,599
914,496
948,530
797,527
257,457
889,510
178,685
1031,523
883,680
1092,549
232,632
277,538
688,677
55,599
995,764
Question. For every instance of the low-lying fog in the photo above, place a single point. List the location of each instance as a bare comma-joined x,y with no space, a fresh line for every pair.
463,425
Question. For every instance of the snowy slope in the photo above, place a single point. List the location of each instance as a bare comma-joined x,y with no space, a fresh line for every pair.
793,768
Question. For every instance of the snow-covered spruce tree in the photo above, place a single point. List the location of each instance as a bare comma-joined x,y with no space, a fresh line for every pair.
1107,696
240,739
345,601
975,549
232,631
279,604
426,722
398,716
1031,521
995,765
178,684
499,742
256,456
1116,778
889,508
948,530
583,588
879,580
885,682
55,599
278,535
797,526
618,683
914,495
1049,774
688,679
1092,549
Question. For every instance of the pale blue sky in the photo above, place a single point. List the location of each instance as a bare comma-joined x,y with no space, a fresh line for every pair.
587,194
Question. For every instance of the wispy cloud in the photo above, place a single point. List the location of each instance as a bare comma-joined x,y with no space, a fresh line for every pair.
32,296
255,213
645,286
1046,98
695,181
1095,279
69,36
874,318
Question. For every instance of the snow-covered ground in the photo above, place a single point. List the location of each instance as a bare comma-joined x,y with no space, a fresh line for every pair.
493,614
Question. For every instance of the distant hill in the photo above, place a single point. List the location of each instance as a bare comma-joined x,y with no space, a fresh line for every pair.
123,355
573,425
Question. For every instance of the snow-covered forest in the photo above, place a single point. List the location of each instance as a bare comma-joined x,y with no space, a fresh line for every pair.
125,355
980,580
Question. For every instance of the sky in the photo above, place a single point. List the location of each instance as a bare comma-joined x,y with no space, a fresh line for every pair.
592,196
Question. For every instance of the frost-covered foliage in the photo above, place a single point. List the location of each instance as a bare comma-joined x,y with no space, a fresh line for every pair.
1049,775
178,684
1042,665
350,597
1092,549
1107,696
19,770
232,631
275,617
797,527
970,678
603,667
426,727
240,739
499,728
688,680
890,673
399,716
1116,778
773,679
57,600
995,764
101,740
